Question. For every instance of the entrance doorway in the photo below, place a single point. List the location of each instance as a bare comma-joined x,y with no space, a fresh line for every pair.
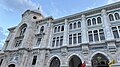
99,60
11,65
75,61
55,62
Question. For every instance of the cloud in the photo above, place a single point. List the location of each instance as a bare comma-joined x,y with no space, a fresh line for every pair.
112,1
18,5
2,37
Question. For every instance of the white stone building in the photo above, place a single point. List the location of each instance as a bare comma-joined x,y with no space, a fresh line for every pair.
92,36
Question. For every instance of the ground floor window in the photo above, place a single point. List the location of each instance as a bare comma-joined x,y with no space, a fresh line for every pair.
11,65
99,60
55,62
75,61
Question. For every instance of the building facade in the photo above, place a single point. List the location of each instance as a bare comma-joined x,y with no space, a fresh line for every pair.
91,36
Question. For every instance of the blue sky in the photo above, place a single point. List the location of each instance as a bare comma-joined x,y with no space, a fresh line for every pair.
11,10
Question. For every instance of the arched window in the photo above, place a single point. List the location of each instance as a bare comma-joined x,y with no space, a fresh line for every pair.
89,22
59,29
55,62
42,29
23,29
79,24
111,17
117,16
62,28
94,21
99,60
99,20
74,25
55,29
70,26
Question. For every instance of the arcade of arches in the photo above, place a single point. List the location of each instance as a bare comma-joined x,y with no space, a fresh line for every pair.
98,60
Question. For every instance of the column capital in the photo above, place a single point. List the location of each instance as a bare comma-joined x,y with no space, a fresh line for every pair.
83,16
103,11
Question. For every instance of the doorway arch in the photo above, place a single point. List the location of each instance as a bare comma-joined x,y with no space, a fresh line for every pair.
11,65
55,62
75,61
99,60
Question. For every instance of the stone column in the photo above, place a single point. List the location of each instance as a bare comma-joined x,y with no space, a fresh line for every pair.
106,25
41,59
108,32
84,30
24,59
50,35
84,44
65,37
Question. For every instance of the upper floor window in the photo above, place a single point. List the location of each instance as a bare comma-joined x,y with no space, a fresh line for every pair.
1,61
18,42
111,17
116,31
55,29
34,60
53,42
57,41
59,28
96,35
99,20
23,31
117,16
79,24
38,41
74,25
89,22
70,26
62,28
42,29
94,21
74,38
61,40
70,39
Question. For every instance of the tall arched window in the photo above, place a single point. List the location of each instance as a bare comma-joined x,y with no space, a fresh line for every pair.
23,29
62,28
111,18
79,24
89,22
117,16
94,21
99,20
42,29
55,29
58,28
74,25
70,26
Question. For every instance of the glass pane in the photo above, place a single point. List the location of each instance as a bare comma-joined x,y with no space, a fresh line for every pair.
102,37
89,22
94,21
115,33
99,20
91,38
70,26
79,24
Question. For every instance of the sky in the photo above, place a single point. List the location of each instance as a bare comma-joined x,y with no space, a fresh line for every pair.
11,10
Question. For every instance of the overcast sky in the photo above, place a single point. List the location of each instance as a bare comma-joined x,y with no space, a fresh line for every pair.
11,10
